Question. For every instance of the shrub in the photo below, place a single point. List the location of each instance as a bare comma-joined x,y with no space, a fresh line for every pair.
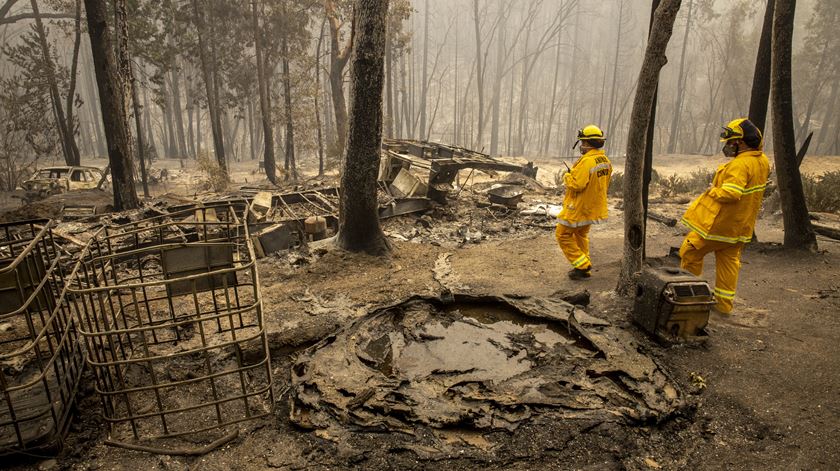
209,167
694,183
822,193
616,187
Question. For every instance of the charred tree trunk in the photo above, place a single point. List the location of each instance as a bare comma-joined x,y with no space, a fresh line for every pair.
798,231
211,87
317,94
761,77
74,69
127,72
678,102
610,120
359,228
265,104
338,60
177,113
654,60
647,171
424,85
112,102
389,84
68,143
290,127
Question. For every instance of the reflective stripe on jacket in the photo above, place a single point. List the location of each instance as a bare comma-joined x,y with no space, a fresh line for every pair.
585,202
726,212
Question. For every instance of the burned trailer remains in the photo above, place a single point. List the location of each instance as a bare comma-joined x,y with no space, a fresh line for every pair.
442,162
171,314
41,357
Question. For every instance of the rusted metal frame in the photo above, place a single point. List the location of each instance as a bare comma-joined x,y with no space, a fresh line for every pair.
50,295
150,368
229,312
206,356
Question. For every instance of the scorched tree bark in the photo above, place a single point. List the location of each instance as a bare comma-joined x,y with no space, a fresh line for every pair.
798,231
359,228
654,60
112,103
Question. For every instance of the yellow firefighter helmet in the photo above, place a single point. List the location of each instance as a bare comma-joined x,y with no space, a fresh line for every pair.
742,128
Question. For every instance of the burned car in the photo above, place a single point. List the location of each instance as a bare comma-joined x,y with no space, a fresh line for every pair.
53,180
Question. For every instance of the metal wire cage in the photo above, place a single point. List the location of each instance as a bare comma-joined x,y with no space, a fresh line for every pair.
41,357
171,313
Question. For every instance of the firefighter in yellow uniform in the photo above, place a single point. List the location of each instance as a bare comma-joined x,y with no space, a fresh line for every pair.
723,218
585,202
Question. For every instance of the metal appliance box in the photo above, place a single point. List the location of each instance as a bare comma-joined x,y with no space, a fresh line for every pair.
672,303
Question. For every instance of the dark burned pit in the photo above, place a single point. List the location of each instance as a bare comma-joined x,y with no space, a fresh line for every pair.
482,362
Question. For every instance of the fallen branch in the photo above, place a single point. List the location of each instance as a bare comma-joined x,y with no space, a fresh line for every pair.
670,222
176,451
826,231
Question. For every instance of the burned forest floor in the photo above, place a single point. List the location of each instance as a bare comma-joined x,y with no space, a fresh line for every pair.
760,393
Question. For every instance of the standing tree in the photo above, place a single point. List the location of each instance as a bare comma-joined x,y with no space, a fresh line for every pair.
761,77
65,125
654,60
211,86
112,102
798,231
359,229
338,60
265,103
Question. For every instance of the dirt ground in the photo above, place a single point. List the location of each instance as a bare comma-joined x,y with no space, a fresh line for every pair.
763,388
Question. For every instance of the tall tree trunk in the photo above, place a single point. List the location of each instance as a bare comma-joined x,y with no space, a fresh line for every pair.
359,228
318,94
424,85
177,112
150,135
290,128
112,102
74,69
553,97
265,103
168,119
123,53
678,101
654,60
496,104
338,60
610,124
828,117
761,77
798,231
647,170
389,83
570,110
93,100
68,143
211,87
190,111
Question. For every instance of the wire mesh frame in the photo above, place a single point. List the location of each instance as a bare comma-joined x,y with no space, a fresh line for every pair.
41,356
176,351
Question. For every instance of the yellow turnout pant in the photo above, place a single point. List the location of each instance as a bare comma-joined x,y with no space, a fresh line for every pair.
727,265
574,242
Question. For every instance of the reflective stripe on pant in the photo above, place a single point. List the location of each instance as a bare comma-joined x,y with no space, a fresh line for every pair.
727,265
574,242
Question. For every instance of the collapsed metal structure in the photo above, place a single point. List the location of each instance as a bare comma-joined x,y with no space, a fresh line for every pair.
41,358
441,162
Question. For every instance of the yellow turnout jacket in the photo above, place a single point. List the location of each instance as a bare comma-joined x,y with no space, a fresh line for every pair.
585,202
726,212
